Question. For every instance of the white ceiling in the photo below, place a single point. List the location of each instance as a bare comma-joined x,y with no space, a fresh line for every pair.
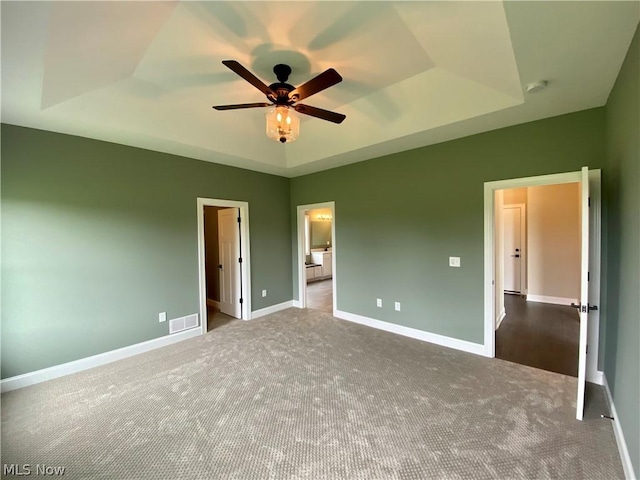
415,73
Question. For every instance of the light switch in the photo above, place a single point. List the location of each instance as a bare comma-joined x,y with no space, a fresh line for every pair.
454,261
378,302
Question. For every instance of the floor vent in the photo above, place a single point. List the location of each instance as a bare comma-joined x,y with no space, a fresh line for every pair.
183,323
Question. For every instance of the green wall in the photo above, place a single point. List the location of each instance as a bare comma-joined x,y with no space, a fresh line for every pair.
398,218
98,238
622,357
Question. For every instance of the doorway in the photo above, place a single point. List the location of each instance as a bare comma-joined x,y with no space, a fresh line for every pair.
589,295
224,262
317,257
538,328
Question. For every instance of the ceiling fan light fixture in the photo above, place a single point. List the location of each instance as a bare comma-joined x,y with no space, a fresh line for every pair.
283,123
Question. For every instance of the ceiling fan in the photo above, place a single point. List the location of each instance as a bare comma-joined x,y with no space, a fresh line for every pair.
282,123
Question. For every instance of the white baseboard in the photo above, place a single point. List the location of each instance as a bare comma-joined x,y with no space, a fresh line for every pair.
596,377
39,376
627,466
297,304
413,333
213,303
554,300
503,314
272,309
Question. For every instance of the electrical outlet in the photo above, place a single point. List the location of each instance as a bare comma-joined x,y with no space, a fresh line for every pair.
454,261
264,293
378,302
397,306
162,317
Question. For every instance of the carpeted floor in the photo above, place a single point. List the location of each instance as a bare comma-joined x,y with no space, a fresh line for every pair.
300,394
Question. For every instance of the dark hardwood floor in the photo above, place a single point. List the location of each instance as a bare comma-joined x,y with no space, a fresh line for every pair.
539,335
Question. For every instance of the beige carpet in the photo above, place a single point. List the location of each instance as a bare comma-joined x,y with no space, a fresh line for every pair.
300,394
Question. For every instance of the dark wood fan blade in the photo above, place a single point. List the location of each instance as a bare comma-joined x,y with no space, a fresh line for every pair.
241,105
249,77
325,80
320,113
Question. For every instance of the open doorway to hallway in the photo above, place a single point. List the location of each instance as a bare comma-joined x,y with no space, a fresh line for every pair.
316,256
223,249
589,296
538,238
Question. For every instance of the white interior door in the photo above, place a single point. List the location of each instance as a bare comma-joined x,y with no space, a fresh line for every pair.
229,267
584,293
512,228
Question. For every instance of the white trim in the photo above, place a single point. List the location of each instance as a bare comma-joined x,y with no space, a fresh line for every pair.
450,342
245,267
569,177
503,314
301,302
272,309
489,271
213,303
627,466
39,376
596,377
554,300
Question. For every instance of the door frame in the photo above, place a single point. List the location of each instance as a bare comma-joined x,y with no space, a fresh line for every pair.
593,375
302,276
245,266
523,240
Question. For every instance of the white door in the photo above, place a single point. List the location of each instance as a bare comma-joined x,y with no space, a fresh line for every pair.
583,308
512,226
229,243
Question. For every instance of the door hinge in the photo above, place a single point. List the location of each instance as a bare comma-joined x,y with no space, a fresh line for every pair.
588,276
241,300
586,349
239,220
240,260
589,201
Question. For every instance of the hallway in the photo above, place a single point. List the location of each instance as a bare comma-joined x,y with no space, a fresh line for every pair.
539,335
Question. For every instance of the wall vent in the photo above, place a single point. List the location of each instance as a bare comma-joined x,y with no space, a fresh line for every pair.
183,323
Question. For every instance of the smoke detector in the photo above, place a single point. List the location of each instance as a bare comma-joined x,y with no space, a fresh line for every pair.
534,87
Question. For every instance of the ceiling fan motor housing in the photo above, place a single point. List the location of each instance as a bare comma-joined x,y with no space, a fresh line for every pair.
281,91
281,88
